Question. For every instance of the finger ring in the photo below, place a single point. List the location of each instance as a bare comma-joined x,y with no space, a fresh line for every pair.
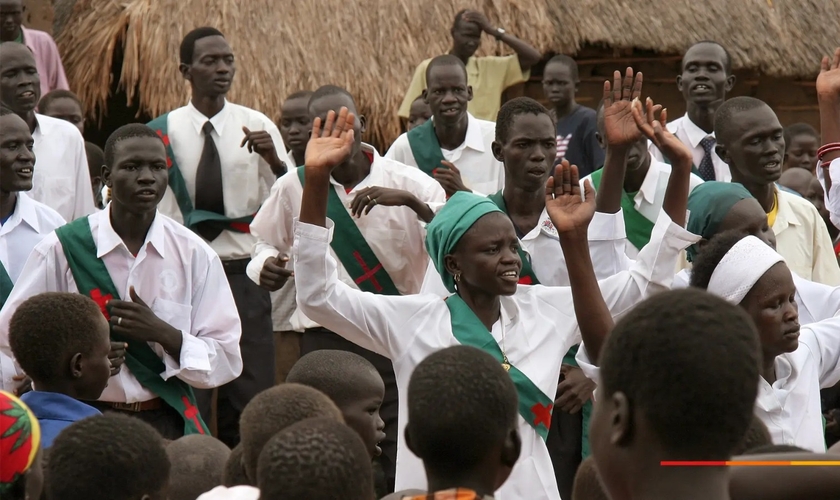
368,198
374,202
119,321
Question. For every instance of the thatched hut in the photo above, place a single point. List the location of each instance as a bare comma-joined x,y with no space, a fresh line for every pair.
372,46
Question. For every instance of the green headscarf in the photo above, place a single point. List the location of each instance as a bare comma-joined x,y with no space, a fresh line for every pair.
708,204
449,225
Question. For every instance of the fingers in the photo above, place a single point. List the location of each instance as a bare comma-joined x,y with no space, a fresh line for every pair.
627,85
650,111
663,116
329,125
636,111
549,187
340,122
567,177
135,298
607,95
616,87
836,63
637,84
575,182
588,192
316,128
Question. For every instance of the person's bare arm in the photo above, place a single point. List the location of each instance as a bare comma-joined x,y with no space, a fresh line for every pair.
828,96
526,53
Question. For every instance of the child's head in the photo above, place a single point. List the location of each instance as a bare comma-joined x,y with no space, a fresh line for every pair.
462,417
198,464
21,475
808,186
801,144
560,80
234,474
95,160
587,484
315,458
273,410
747,272
353,384
756,435
750,140
64,105
419,113
679,376
109,456
62,340
17,161
295,123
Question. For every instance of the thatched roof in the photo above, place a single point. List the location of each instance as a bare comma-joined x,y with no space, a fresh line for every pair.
372,46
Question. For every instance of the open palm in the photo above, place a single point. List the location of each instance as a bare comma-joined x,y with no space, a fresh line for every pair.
619,127
331,146
569,212
654,129
828,81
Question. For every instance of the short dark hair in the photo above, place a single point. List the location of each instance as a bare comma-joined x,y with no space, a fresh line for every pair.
756,436
234,474
51,96
710,255
712,345
727,62
445,60
299,94
86,461
512,109
461,403
776,448
798,129
728,111
48,327
329,90
459,16
315,458
197,465
587,485
567,62
95,158
126,132
338,374
274,409
188,43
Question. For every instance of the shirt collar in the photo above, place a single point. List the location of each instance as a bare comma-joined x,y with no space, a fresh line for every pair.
695,134
24,212
43,125
651,183
475,138
218,120
785,215
107,239
509,310
56,406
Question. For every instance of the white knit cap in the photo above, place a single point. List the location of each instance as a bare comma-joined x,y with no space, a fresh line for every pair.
742,266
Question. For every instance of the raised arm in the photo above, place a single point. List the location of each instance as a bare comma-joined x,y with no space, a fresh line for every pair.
828,96
527,54
621,133
571,216
676,194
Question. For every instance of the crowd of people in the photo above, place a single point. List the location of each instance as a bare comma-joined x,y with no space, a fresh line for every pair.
514,302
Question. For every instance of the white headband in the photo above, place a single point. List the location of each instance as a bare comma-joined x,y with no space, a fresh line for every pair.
742,266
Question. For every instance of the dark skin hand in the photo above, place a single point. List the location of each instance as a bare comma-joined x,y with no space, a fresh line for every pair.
136,320
574,391
370,197
274,273
117,356
450,179
260,142
828,96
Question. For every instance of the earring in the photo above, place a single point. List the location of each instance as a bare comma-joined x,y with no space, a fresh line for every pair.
457,277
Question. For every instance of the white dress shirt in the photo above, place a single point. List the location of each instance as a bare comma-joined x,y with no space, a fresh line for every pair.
480,170
538,322
246,177
648,201
816,301
803,240
61,179
832,196
690,134
29,224
395,234
176,273
606,247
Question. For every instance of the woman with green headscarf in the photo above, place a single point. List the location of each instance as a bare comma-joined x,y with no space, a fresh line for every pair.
717,207
474,246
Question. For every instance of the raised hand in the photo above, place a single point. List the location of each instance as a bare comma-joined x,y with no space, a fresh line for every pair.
828,81
619,127
568,212
478,18
260,142
274,273
449,179
654,129
331,146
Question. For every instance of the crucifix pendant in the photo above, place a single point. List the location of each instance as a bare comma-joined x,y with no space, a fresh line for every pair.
506,366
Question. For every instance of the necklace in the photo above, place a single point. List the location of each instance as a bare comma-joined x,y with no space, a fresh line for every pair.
505,362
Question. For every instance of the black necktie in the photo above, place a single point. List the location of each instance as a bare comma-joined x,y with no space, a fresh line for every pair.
707,165
208,185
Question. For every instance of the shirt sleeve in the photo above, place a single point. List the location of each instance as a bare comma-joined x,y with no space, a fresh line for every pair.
607,239
507,68
832,196
274,223
823,340
824,267
415,89
262,252
210,355
84,192
369,320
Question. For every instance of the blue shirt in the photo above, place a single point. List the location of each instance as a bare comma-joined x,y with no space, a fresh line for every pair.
56,411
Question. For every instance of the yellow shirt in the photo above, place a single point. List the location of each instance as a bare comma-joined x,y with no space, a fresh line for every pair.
488,76
771,215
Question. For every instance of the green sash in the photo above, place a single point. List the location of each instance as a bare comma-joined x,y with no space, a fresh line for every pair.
353,250
425,147
638,226
586,411
534,406
191,216
92,279
5,285
526,274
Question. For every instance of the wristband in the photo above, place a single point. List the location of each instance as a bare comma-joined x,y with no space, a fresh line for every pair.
828,148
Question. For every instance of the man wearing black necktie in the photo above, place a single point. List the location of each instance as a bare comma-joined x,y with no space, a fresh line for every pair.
222,159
